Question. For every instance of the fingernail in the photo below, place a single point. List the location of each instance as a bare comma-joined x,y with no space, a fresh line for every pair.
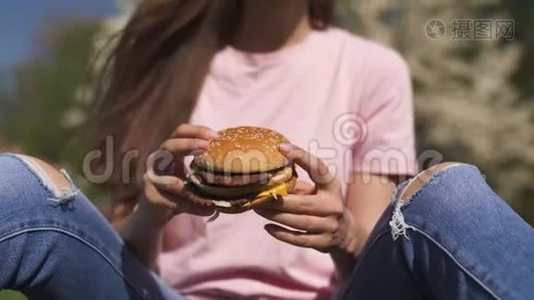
165,180
213,134
259,210
270,228
197,152
173,181
201,144
286,147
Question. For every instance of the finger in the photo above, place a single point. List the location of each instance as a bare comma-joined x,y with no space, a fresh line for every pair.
171,194
312,205
303,188
181,147
313,165
159,163
321,242
194,131
155,196
310,224
169,184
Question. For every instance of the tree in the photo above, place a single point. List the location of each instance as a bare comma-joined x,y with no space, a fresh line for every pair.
469,105
49,100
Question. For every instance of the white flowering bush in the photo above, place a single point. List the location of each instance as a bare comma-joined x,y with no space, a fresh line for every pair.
467,107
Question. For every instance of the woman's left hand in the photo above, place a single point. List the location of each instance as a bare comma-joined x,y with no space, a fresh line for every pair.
316,215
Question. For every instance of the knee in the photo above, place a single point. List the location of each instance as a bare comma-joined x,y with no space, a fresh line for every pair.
55,179
29,187
421,179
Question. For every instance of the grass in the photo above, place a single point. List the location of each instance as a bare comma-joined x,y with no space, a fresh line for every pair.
11,295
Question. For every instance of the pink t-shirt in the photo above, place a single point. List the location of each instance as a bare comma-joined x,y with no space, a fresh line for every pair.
341,97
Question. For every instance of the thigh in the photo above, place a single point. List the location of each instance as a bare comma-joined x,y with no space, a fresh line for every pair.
54,243
454,238
468,242
381,271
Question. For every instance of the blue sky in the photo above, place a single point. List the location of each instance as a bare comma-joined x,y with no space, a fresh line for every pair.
20,19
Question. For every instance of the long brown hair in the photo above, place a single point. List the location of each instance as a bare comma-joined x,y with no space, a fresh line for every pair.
153,76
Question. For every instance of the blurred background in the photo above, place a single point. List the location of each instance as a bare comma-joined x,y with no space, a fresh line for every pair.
474,88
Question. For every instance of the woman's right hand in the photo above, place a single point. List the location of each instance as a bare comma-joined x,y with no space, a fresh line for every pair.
164,191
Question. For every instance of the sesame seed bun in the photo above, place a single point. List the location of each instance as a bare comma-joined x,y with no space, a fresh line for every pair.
243,150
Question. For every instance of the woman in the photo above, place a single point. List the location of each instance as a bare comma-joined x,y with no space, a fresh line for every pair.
184,69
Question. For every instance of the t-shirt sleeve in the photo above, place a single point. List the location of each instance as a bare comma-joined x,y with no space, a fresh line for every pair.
385,110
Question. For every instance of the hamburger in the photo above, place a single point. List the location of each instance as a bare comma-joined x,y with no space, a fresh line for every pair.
241,169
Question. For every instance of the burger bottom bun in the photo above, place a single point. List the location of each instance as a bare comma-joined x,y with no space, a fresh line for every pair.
242,205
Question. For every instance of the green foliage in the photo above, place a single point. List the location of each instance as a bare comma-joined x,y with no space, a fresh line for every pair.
11,295
45,90
44,109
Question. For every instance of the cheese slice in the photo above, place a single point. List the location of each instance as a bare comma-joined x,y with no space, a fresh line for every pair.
275,192
279,190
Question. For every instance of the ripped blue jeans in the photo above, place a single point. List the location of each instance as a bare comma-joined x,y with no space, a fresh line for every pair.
454,239
54,244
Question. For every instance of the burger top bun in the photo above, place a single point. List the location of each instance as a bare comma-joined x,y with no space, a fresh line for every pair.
243,150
